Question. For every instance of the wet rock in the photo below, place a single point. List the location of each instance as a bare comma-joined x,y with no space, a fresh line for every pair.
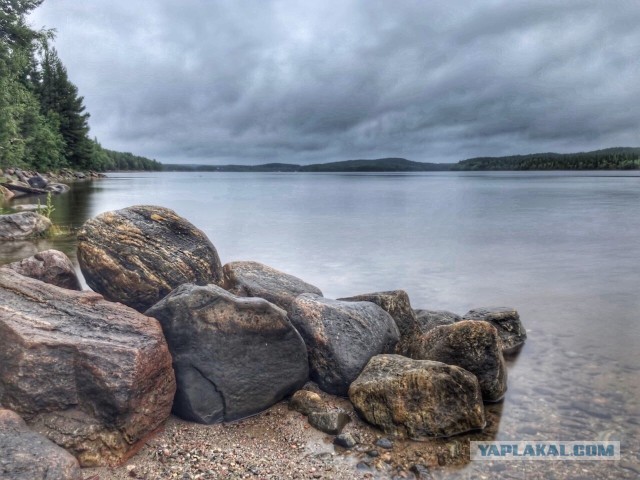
233,356
474,346
139,254
329,422
421,472
38,181
305,402
93,376
395,303
27,455
18,226
50,266
507,322
430,319
341,337
253,279
384,443
417,398
345,440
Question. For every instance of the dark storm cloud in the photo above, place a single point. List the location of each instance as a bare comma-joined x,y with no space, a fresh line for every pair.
257,81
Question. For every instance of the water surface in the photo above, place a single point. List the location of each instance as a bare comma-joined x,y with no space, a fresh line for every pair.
561,247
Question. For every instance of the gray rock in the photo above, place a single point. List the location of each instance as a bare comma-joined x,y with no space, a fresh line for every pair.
26,207
253,279
384,443
396,303
305,402
233,356
50,266
345,440
139,254
27,455
341,337
18,226
474,346
38,181
429,319
507,321
57,188
417,398
93,376
329,422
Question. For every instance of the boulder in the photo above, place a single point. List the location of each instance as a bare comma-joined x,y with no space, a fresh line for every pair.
93,376
429,319
329,422
6,194
396,303
27,455
253,279
233,356
305,402
507,321
474,346
18,226
139,254
341,337
417,398
57,188
38,181
50,266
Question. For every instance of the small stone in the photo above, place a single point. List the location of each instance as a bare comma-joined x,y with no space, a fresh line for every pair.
329,422
384,443
305,402
373,453
345,440
421,472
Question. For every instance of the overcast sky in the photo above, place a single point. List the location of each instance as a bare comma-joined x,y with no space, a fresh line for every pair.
203,81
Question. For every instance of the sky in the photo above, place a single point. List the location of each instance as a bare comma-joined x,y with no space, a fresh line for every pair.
247,82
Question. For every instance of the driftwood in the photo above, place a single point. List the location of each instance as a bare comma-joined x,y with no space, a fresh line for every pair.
20,188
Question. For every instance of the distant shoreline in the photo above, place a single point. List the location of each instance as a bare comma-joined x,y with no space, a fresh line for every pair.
618,158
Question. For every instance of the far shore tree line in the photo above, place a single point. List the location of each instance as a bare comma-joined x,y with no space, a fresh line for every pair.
43,122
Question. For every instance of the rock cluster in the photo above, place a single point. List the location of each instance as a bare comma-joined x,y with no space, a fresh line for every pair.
218,344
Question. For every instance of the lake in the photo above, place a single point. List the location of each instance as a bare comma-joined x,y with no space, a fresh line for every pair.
561,247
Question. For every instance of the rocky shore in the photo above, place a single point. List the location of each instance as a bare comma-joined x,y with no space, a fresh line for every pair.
176,366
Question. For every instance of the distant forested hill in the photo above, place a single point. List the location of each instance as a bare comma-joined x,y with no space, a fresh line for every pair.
43,122
620,158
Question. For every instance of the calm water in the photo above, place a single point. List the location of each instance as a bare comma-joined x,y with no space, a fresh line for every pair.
563,248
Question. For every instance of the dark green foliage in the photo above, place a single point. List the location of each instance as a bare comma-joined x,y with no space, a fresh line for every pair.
618,158
43,123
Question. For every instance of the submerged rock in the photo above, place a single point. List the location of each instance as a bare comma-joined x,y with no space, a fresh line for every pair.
27,455
93,376
139,254
253,279
474,346
417,398
507,321
430,319
341,337
233,356
50,266
18,226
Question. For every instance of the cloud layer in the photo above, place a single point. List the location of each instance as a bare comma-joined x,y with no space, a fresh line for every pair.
200,81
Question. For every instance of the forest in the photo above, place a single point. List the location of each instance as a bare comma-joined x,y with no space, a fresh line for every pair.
44,124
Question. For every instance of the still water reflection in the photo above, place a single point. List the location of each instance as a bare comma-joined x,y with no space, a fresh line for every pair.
563,248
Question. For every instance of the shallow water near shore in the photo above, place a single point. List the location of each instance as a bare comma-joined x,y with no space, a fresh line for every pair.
561,247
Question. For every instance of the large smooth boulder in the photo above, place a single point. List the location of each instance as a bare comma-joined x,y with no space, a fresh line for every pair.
474,346
417,398
233,356
38,181
396,303
93,376
507,322
27,455
50,266
253,279
430,319
18,226
139,254
341,337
